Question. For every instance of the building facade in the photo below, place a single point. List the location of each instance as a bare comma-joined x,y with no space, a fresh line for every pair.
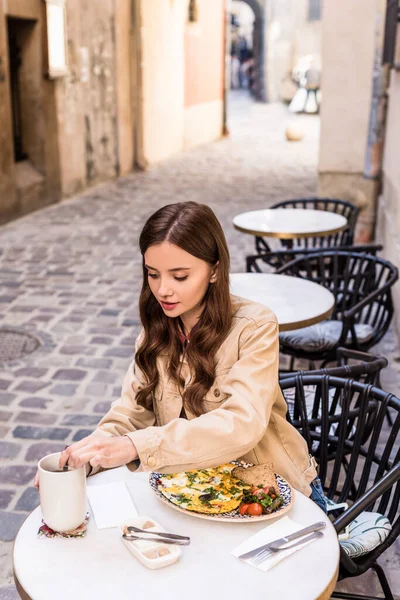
142,79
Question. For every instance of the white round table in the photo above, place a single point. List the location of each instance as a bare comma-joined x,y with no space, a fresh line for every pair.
296,302
289,223
100,567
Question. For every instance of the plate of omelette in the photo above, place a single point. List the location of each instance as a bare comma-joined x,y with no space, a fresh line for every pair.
219,493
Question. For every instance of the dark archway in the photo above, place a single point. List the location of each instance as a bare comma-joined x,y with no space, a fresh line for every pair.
259,49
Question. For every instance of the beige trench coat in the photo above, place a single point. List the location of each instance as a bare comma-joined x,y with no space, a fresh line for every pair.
246,411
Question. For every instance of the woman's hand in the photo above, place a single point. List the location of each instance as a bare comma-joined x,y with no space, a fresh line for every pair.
106,452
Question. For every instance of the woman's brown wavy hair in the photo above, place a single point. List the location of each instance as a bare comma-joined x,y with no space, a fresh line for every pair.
194,228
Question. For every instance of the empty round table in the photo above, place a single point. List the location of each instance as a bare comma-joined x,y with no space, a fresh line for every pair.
290,223
296,302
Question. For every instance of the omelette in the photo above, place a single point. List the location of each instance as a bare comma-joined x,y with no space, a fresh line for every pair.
209,491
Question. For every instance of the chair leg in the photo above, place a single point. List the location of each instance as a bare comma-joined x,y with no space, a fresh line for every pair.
383,581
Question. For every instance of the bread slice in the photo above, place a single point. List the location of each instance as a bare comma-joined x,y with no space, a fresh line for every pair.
258,475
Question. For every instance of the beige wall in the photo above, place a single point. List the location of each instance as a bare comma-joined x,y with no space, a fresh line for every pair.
388,229
204,74
162,43
124,55
346,83
182,76
347,148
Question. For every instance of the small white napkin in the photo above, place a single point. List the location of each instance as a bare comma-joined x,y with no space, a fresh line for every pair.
111,504
280,528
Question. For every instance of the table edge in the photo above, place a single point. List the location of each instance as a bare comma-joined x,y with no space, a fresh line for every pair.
307,322
292,235
325,595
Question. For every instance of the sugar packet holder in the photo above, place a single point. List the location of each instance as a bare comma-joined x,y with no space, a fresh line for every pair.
153,555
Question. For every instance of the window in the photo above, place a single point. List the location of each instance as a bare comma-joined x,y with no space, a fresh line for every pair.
391,27
314,10
193,13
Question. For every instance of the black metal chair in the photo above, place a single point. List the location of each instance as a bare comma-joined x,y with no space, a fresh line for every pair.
342,238
256,263
361,284
365,368
358,461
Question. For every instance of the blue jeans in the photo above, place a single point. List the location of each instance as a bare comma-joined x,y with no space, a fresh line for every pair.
317,494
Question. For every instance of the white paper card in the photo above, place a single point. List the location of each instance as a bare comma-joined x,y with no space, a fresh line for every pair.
279,529
111,504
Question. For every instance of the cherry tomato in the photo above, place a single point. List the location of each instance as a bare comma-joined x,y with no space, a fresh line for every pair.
255,509
243,509
273,496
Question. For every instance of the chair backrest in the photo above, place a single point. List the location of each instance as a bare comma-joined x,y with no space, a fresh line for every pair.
341,207
361,284
350,461
264,261
366,369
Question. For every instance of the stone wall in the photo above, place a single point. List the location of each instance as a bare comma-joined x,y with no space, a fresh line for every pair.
388,228
350,111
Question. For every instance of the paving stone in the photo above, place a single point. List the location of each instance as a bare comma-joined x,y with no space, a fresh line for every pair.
119,352
114,331
63,389
31,386
37,451
106,377
70,374
29,500
30,372
109,312
81,433
5,498
38,433
78,350
103,340
4,384
18,474
80,420
129,323
35,417
6,398
5,415
95,363
102,407
35,402
9,449
97,389
9,593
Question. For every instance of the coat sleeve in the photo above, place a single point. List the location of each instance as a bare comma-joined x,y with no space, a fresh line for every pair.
229,431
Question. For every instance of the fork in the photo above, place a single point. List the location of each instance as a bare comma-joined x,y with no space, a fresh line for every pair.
263,555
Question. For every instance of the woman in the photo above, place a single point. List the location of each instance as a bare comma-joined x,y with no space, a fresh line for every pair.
203,387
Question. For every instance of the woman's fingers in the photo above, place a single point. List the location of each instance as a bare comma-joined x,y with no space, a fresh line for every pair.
69,450
105,452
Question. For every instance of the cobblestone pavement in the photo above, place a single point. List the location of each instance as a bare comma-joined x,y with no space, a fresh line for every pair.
70,275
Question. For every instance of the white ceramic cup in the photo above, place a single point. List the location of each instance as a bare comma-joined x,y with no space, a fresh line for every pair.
62,494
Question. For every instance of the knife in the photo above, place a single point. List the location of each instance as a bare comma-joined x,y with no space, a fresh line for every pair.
284,540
